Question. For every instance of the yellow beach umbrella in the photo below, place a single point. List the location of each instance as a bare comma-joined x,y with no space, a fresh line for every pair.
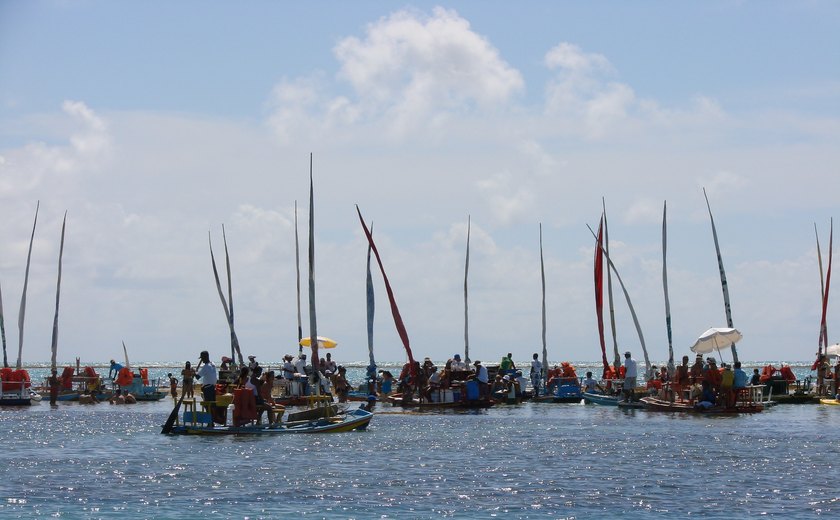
322,342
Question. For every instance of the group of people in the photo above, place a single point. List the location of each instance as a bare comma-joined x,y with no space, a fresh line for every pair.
423,380
704,382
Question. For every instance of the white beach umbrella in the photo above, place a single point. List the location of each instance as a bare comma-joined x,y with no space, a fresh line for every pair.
715,339
833,350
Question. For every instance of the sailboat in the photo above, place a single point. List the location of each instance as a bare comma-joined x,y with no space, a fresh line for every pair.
15,384
599,250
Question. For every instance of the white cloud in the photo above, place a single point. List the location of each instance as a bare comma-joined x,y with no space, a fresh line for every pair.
409,72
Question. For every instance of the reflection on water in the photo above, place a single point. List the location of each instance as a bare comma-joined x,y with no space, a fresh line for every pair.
528,461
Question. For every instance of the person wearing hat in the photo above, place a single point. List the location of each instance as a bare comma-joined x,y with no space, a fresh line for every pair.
630,373
457,364
696,372
252,363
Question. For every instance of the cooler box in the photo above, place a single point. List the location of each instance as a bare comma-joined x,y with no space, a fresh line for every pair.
472,390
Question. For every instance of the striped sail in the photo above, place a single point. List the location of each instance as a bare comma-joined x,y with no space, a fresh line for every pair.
313,324
823,326
297,271
3,331
54,344
371,308
544,344
25,285
724,286
671,367
466,304
395,312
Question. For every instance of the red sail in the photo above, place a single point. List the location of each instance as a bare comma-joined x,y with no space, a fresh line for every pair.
395,312
599,293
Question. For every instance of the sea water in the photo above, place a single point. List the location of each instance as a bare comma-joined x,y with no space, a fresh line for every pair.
534,460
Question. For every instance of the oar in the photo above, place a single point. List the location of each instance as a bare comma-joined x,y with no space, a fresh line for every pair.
167,427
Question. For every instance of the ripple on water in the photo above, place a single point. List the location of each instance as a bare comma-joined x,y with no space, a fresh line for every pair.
535,460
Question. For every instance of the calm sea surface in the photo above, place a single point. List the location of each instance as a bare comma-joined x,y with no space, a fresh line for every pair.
528,461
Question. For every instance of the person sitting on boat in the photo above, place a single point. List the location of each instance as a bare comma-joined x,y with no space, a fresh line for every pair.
590,385
696,372
115,369
187,375
522,385
755,380
117,398
225,363
255,384
498,387
630,372
457,365
433,383
653,382
446,375
242,378
386,386
707,398
551,376
265,392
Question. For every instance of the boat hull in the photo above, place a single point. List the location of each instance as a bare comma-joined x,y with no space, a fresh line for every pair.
354,420
600,399
831,402
661,405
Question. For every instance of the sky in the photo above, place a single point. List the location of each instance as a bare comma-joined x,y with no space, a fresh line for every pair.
153,124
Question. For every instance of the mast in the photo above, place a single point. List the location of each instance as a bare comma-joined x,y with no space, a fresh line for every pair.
617,356
724,286
823,327
466,305
632,310
313,324
395,312
25,285
3,332
57,297
370,313
671,367
599,292
544,345
234,342
297,270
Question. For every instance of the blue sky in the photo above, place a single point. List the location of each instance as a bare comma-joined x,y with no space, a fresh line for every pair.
154,122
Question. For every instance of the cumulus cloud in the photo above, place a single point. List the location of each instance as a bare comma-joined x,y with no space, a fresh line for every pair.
507,196
409,71
87,147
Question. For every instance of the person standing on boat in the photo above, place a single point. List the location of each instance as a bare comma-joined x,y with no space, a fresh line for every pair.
458,365
630,373
188,374
115,369
329,364
536,374
206,373
681,379
53,383
483,379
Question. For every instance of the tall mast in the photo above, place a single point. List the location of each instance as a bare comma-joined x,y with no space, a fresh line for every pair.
724,286
671,367
466,304
617,356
